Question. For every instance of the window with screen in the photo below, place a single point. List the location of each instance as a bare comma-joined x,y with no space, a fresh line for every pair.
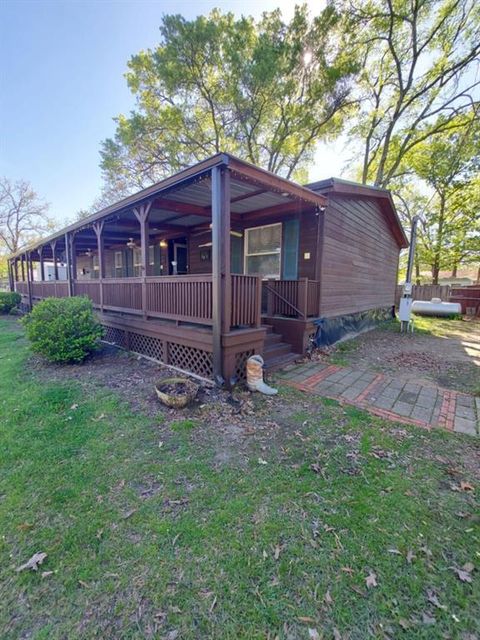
263,247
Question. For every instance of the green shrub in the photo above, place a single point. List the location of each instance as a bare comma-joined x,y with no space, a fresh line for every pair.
63,329
9,300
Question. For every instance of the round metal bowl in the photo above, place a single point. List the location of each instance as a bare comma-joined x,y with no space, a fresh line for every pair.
167,393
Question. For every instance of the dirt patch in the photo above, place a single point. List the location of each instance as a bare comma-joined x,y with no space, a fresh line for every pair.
450,358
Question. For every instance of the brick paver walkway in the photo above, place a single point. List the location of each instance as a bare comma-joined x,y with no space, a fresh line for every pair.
389,397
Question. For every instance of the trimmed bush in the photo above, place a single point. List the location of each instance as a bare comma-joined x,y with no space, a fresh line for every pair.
63,329
9,300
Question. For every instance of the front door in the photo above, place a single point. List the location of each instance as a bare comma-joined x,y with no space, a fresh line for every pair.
180,256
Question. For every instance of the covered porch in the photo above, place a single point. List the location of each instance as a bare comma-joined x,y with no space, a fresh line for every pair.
188,270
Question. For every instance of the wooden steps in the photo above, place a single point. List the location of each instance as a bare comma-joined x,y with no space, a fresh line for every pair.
276,353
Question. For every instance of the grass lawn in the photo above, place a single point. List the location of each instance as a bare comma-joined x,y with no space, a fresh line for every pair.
339,525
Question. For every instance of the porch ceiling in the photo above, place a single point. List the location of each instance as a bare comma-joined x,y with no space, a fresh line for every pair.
184,201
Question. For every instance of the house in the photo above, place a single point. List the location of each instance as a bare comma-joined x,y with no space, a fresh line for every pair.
224,260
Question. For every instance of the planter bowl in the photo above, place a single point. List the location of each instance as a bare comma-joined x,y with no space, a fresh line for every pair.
176,392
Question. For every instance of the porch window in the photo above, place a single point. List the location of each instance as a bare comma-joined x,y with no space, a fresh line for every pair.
118,264
151,255
137,262
263,250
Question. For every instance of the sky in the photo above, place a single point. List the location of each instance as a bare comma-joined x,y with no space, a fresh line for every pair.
62,68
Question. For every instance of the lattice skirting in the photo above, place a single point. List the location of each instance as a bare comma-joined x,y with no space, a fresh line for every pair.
187,358
241,364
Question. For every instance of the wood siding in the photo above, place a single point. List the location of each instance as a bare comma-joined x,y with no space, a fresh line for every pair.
359,257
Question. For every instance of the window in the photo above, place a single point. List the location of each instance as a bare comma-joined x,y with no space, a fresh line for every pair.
96,266
151,255
118,260
263,250
137,257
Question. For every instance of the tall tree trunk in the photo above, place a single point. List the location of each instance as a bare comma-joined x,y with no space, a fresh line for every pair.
438,245
417,272
454,271
478,276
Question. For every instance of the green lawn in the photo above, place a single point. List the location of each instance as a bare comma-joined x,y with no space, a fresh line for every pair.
148,536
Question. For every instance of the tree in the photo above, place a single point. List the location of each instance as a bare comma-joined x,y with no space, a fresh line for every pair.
447,165
419,60
266,91
23,215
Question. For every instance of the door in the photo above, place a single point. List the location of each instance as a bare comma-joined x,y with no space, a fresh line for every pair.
180,256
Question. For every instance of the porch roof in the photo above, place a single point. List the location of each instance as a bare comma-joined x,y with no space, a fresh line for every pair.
184,200
355,189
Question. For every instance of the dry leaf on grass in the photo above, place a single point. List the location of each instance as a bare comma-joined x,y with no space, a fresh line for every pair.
432,598
313,634
410,556
33,563
328,598
371,580
464,573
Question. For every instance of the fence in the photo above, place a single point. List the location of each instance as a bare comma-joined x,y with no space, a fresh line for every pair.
425,292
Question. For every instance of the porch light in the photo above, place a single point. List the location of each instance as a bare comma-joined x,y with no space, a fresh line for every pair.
131,244
163,244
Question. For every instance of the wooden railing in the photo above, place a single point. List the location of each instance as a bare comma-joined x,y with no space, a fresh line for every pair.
293,298
246,301
122,294
51,289
89,288
186,298
21,287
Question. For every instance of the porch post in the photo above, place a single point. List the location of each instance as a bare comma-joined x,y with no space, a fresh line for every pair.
73,261
98,228
22,268
42,264
221,279
69,265
29,284
10,276
15,269
142,213
30,261
53,245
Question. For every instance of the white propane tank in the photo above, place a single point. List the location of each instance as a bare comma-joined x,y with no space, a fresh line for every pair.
436,307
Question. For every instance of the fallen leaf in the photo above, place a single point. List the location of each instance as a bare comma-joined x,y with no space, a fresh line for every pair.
466,486
83,583
25,526
305,619
432,598
315,467
262,461
371,580
468,566
428,619
45,574
278,549
328,598
405,624
463,575
128,514
410,556
172,635
395,551
313,634
33,563
73,407
100,417
336,634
